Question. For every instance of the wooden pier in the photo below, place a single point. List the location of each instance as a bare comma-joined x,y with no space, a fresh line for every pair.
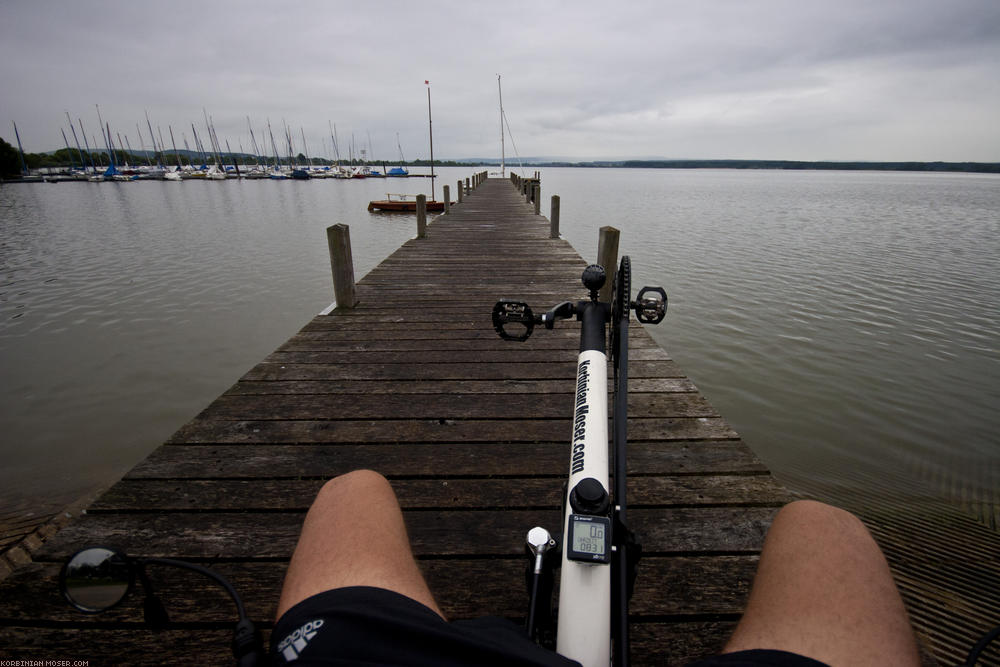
472,431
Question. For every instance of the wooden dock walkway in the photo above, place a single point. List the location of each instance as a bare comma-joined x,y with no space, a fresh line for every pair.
473,433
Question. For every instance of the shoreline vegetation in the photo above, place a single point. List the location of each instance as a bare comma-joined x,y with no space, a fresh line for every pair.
825,165
12,166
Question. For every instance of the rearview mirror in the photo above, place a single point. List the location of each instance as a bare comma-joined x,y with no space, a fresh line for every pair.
96,579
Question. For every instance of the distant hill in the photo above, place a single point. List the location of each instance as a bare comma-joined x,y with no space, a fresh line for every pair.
977,167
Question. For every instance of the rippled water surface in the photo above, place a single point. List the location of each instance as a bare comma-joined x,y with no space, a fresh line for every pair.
844,322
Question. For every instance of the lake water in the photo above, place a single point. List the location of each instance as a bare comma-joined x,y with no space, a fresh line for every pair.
845,323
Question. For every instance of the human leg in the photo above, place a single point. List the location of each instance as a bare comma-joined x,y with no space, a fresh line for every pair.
354,535
824,590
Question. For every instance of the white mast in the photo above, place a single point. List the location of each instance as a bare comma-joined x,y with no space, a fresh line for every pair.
430,129
503,168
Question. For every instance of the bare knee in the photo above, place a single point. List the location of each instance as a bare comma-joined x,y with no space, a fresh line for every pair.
818,521
356,484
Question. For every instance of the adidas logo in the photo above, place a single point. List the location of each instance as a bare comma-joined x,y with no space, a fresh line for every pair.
292,645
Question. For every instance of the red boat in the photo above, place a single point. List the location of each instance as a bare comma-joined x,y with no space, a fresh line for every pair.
403,204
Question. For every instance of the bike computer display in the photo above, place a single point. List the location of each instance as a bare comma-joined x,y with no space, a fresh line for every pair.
589,538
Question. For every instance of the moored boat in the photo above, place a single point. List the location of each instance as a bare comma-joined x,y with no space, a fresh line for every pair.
402,203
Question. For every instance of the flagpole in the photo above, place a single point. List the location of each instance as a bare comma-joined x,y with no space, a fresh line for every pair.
430,128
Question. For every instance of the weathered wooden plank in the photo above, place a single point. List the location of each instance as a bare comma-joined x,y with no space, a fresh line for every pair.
151,495
235,535
489,346
136,645
434,430
685,585
305,387
445,371
463,459
439,406
502,356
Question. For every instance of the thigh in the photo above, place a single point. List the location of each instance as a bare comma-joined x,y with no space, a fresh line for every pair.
354,535
823,589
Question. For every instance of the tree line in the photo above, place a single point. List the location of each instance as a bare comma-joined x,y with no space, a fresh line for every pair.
10,159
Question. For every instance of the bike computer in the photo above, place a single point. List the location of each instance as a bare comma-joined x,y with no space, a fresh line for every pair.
589,539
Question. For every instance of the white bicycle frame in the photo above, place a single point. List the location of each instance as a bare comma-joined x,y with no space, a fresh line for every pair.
597,571
584,625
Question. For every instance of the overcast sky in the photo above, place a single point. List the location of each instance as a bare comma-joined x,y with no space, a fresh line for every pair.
774,79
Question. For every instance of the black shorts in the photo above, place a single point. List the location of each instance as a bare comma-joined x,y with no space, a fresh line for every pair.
372,626
361,625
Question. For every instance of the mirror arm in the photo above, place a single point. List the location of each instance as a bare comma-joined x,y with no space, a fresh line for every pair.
153,611
240,610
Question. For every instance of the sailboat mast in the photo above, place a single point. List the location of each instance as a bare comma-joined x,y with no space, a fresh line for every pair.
89,154
253,139
69,151
430,130
305,147
142,145
503,167
333,136
152,138
274,146
76,141
173,143
106,137
24,165
90,158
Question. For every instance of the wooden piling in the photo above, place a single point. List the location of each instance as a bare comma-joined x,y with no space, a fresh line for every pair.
421,216
554,217
607,256
458,188
447,199
536,195
338,238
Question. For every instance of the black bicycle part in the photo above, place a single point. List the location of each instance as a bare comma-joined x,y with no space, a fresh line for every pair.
649,309
621,304
594,277
980,646
115,571
516,314
540,622
626,555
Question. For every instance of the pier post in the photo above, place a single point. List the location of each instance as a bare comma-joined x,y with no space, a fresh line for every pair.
607,256
447,199
460,193
537,195
554,218
421,216
338,238
467,188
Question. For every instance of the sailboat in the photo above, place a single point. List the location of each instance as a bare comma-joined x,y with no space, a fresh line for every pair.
399,171
403,202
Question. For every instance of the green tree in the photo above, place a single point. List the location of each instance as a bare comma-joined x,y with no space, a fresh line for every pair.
10,161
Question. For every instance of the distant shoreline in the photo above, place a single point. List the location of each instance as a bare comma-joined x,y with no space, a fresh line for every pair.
969,167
